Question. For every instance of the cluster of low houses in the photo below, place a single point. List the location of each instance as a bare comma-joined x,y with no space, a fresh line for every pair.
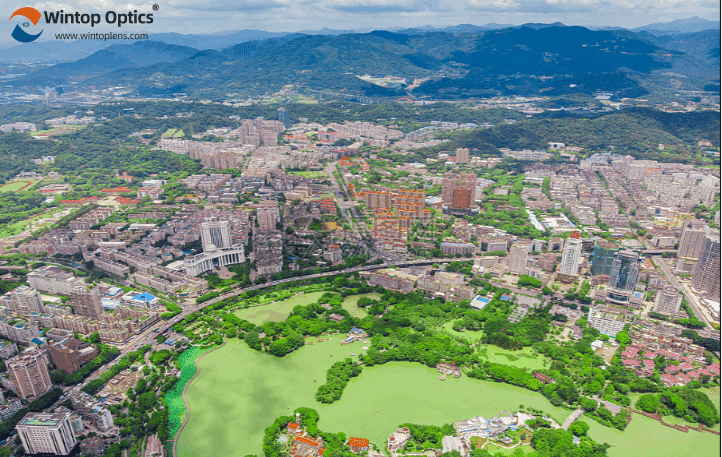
683,370
355,334
476,427
303,445
300,444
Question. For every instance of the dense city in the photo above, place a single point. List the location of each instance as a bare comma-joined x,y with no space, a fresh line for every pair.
444,242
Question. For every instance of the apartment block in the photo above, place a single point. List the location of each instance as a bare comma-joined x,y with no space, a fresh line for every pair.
29,374
47,433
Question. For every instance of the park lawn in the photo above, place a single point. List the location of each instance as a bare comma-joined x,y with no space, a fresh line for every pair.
276,311
524,357
494,449
14,186
239,392
169,133
55,129
18,227
310,174
470,335
13,229
645,436
179,134
349,304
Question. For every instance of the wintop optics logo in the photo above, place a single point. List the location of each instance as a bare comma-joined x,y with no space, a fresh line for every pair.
61,17
33,16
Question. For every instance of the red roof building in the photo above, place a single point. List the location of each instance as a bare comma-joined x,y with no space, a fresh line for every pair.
358,444
116,191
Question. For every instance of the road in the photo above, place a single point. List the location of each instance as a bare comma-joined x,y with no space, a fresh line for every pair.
691,300
341,196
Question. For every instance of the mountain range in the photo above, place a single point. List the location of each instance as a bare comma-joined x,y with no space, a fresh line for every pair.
534,59
62,51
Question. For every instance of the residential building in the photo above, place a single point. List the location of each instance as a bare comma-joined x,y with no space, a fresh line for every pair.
706,274
668,301
450,249
29,373
8,349
93,411
284,117
53,280
267,217
692,239
517,259
46,433
71,353
571,255
87,302
462,155
25,301
608,321
458,190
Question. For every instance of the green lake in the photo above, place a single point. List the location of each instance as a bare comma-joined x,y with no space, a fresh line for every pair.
239,392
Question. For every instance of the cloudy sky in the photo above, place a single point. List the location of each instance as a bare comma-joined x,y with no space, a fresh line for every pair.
212,16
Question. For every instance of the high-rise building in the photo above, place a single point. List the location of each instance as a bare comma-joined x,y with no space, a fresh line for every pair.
517,259
284,117
267,217
668,301
706,274
25,300
602,257
625,269
462,155
47,433
86,302
457,190
608,321
692,239
571,255
71,353
29,373
217,233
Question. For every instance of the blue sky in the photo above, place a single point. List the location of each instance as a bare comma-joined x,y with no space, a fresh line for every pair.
188,16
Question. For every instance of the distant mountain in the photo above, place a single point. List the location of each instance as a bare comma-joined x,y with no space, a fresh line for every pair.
68,51
549,60
537,26
52,51
541,59
705,45
691,25
215,41
115,57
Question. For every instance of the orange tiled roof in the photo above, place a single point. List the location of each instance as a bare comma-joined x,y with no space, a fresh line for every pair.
126,201
308,441
358,442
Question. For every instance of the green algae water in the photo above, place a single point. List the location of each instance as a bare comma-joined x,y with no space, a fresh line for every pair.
174,397
239,392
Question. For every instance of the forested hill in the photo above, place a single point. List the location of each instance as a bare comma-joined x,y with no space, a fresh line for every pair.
115,57
526,60
638,132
